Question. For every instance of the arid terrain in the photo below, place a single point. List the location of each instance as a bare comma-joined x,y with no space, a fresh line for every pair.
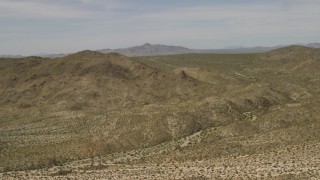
93,115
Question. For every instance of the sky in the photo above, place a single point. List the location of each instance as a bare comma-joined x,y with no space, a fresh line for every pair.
29,27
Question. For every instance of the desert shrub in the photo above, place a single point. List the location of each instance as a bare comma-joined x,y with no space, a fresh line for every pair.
78,106
24,105
61,173
95,167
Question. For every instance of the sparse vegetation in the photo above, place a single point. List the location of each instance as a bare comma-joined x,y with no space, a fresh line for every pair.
191,116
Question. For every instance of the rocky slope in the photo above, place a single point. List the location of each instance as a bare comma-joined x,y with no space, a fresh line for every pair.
251,116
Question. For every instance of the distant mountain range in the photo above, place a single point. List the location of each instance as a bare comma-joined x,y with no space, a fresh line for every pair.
148,49
11,56
256,49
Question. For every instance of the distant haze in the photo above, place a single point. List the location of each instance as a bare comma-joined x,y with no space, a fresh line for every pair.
148,49
31,27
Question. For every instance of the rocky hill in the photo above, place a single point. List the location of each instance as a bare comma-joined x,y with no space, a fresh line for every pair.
190,116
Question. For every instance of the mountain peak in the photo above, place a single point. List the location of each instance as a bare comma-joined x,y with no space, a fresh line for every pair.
148,49
291,49
147,44
86,53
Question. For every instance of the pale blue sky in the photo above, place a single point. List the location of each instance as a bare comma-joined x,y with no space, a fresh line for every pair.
59,26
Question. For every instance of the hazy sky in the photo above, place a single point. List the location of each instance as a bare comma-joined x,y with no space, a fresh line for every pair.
58,26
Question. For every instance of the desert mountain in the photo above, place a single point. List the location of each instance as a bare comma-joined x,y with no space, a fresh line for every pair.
117,101
156,49
111,80
257,49
150,50
187,115
10,56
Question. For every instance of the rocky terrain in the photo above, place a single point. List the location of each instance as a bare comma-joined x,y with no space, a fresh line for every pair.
91,115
